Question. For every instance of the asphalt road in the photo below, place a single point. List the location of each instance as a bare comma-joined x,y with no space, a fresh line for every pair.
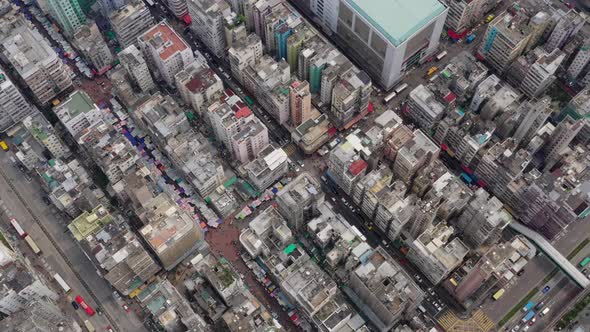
537,269
61,251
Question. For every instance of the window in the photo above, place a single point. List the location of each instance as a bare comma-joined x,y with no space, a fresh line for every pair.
346,15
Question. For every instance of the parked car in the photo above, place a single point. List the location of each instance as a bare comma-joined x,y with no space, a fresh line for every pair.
75,305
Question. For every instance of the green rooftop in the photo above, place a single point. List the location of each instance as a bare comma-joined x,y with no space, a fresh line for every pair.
397,20
77,103
89,223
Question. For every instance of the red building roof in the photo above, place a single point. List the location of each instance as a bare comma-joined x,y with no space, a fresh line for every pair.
243,112
357,166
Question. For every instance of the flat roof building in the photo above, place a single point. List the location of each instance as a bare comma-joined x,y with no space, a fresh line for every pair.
169,231
387,37
165,50
36,63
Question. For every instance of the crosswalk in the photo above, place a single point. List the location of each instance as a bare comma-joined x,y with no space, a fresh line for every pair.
483,321
478,322
290,149
447,320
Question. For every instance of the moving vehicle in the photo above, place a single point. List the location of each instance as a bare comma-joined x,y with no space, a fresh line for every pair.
3,146
75,305
248,101
498,294
401,87
89,326
470,39
544,312
490,18
62,282
84,305
528,316
539,305
32,244
431,71
546,289
528,306
441,55
19,230
389,97
585,262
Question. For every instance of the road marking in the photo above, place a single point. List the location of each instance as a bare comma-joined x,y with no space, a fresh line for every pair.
479,322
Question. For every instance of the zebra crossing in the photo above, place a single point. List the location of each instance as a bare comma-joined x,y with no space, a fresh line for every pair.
483,321
290,149
478,322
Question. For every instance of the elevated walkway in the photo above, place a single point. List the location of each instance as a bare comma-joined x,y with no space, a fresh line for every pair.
546,247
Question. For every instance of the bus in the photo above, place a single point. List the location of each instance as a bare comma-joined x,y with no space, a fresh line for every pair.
585,262
32,244
17,228
498,294
84,305
62,283
389,97
89,326
431,71
401,88
441,55
4,146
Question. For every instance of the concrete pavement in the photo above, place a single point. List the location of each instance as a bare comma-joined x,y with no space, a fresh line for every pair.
60,250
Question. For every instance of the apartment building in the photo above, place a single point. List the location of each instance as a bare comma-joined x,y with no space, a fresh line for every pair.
13,106
199,86
36,63
130,22
137,69
166,51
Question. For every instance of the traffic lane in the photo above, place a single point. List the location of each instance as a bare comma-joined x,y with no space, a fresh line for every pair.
375,238
559,304
48,251
556,284
100,288
537,269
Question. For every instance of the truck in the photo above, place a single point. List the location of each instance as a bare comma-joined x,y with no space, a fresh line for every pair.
528,306
528,316
498,294
431,71
544,312
470,38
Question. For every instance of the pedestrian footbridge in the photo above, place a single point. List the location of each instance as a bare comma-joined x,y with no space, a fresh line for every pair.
546,247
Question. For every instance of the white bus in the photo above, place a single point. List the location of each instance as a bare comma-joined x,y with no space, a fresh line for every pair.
32,244
441,55
62,283
18,228
389,97
401,88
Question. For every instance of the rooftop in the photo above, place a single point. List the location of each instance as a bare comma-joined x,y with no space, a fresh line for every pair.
398,20
163,38
89,223
166,223
78,102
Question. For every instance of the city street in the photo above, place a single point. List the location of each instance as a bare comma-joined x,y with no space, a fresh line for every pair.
61,252
536,271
